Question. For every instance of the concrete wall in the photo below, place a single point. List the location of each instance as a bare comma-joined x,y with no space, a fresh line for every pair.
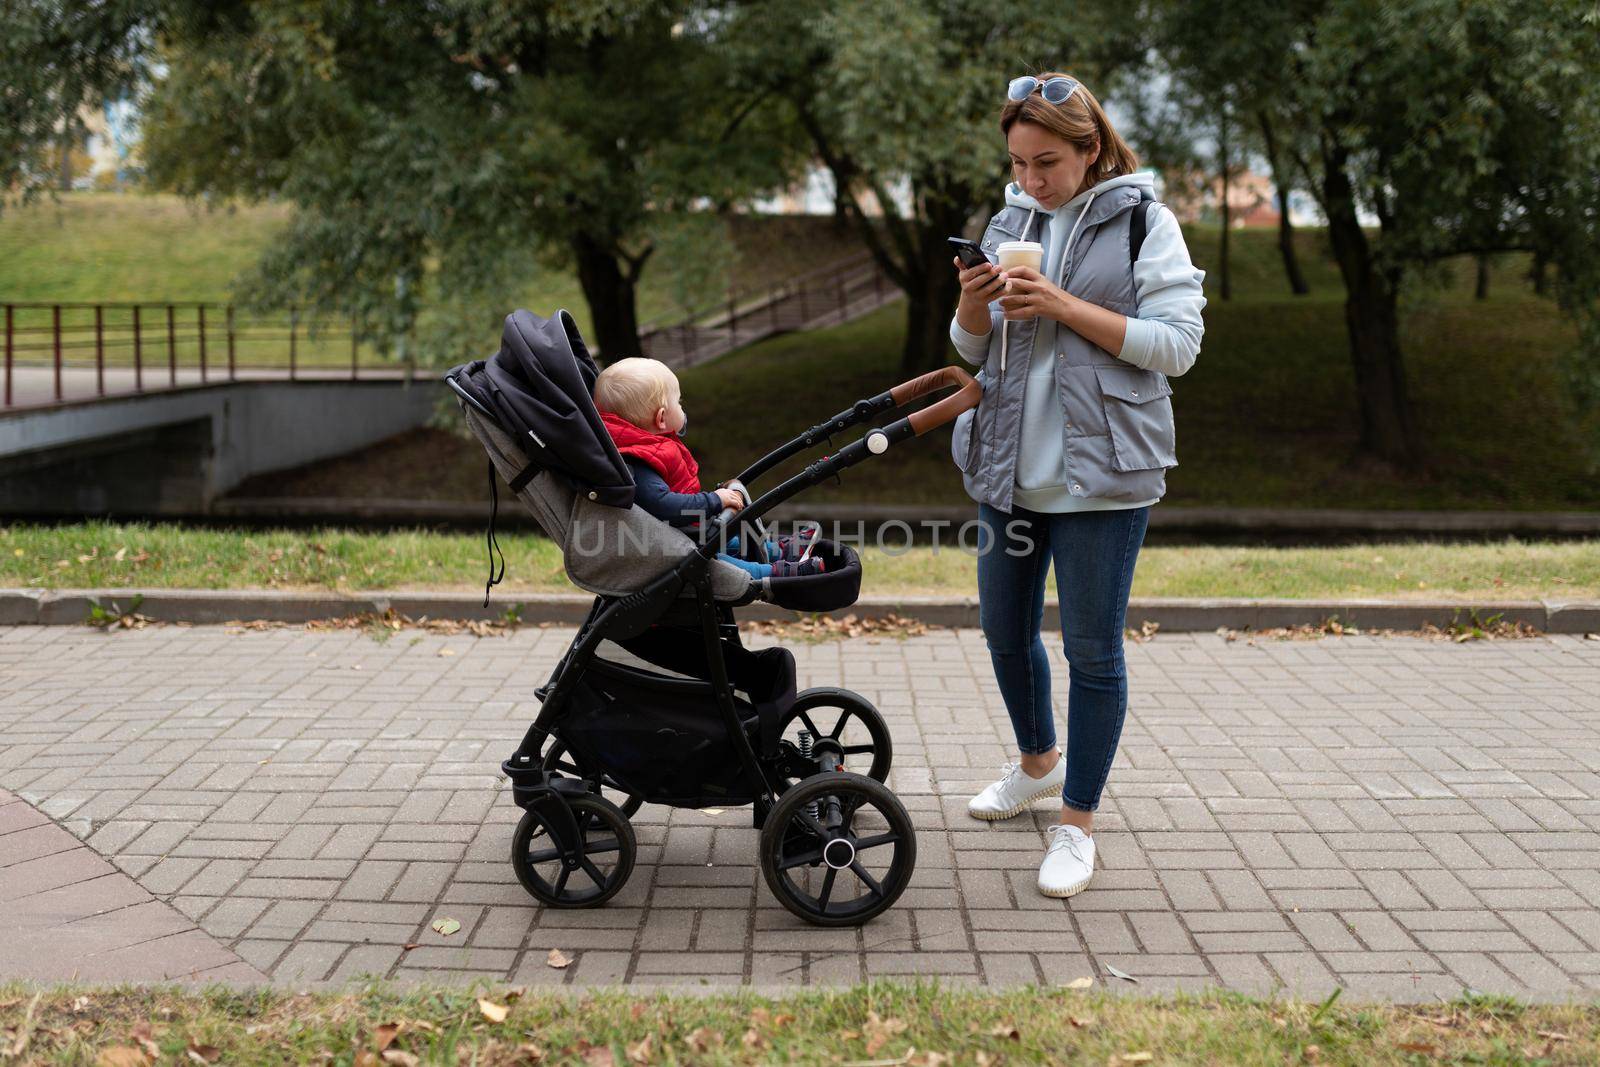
175,452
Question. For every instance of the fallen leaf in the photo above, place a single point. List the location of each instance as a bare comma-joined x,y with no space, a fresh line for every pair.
495,1013
447,652
1418,1047
446,927
1136,1057
1081,983
404,1059
1313,1053
753,1040
599,1056
514,992
703,1039
1080,1024
122,1056
1124,975
1554,1035
1005,1030
384,1036
641,1051
531,1053
205,1054
558,959
366,1058
145,1038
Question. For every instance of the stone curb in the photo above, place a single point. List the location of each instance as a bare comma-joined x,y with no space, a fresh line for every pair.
1172,614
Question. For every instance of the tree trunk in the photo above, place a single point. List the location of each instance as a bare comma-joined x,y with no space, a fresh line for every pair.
1537,272
1227,211
64,175
1481,292
611,297
932,295
1291,262
1388,430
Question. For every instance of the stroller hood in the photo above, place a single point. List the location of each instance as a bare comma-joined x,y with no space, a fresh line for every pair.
540,387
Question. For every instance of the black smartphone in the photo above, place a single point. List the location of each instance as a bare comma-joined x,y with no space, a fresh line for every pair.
968,252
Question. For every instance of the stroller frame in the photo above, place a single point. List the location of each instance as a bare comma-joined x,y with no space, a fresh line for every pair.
562,804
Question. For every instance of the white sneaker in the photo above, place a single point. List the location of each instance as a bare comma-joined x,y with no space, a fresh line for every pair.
1015,790
1069,864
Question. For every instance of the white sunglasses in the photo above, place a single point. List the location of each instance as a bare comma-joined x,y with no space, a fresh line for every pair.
1054,90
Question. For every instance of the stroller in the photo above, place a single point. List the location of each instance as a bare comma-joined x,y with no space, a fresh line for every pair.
719,724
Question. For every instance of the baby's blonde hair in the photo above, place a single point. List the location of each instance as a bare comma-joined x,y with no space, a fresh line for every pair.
636,388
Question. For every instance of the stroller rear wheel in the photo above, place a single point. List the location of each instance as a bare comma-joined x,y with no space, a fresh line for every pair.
847,718
591,878
838,849
557,758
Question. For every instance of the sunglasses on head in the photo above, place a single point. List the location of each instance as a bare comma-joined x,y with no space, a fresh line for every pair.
1054,90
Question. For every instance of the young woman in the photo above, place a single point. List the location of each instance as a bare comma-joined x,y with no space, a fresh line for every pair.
1068,450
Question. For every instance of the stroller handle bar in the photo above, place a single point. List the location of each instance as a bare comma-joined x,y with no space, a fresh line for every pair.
874,443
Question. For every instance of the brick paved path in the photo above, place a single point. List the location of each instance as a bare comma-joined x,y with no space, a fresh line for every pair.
1400,817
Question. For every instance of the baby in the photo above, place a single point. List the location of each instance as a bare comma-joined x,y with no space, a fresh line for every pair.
640,404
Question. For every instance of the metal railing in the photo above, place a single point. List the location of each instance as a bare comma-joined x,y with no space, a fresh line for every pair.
834,293
140,346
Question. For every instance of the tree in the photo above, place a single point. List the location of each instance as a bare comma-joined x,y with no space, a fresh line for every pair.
55,59
1465,128
436,152
908,94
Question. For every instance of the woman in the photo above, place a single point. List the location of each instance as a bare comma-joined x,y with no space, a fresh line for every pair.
1069,448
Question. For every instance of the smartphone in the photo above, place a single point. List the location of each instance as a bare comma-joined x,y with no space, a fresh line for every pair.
968,252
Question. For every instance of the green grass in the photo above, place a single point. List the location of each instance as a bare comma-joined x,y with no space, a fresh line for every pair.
922,1024
155,248
1267,417
86,555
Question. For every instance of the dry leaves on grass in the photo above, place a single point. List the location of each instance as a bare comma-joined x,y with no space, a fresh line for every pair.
495,1013
391,620
1488,631
704,1039
827,628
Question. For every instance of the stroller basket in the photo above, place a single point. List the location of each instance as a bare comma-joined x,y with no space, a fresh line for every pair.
661,738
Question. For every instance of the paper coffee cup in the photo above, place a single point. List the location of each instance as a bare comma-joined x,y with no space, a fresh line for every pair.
1014,254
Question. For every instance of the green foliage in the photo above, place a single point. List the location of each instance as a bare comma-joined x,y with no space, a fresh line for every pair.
435,154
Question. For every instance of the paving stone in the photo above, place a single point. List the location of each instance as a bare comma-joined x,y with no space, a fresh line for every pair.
1427,807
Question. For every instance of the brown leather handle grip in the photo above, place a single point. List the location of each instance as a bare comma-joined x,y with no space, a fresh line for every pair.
945,410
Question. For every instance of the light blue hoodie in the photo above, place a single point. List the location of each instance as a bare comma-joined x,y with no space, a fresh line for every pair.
1163,336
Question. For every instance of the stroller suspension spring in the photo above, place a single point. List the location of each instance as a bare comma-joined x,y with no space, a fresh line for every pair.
812,809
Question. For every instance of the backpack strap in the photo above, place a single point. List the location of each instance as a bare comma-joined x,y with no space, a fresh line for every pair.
1139,225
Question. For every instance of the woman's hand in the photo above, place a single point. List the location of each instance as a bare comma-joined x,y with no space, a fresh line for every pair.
980,284
1030,295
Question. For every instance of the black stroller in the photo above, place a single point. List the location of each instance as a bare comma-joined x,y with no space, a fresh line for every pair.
720,724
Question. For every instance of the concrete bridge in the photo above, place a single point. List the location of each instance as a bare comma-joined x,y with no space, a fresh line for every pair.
174,451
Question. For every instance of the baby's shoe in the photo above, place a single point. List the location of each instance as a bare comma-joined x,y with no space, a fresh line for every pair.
794,546
788,568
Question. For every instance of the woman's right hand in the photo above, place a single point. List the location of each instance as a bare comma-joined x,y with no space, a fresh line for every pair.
981,284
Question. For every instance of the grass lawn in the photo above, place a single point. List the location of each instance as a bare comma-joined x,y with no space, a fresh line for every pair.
104,555
1266,418
154,248
879,1024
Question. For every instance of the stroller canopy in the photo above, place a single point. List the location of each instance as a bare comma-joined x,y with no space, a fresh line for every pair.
531,407
540,388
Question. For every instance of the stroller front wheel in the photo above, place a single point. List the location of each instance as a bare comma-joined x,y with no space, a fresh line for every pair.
594,874
847,719
838,849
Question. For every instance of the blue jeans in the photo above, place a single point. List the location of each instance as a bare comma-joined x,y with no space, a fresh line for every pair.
1094,553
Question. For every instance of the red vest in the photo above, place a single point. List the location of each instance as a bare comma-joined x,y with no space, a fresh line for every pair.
667,455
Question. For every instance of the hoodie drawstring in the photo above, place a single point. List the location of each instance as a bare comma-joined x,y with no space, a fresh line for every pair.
1004,322
1066,254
